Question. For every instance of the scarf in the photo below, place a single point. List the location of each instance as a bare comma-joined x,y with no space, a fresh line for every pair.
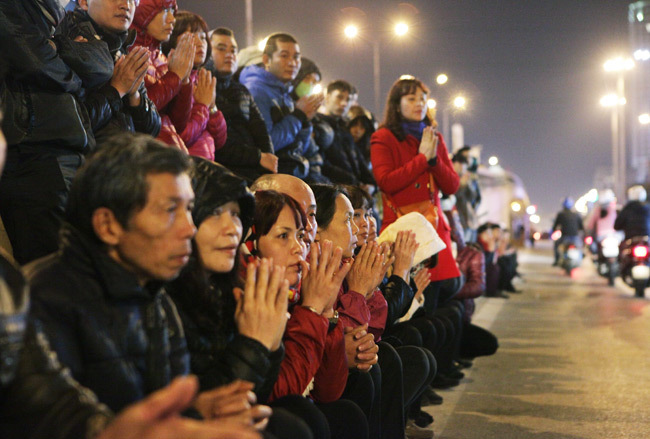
414,129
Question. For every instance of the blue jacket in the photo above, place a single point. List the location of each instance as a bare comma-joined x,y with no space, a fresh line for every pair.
285,123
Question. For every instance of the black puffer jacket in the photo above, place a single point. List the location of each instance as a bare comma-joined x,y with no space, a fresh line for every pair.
344,163
568,222
118,339
39,92
38,399
247,134
634,219
398,295
108,113
205,301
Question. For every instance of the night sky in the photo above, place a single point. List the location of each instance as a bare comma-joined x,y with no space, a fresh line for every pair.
531,70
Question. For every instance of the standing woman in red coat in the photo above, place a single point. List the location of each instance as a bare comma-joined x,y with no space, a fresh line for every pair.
411,164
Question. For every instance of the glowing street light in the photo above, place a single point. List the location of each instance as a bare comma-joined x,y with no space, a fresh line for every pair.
531,210
262,44
612,100
442,79
535,219
351,31
644,119
515,206
642,55
431,103
493,161
401,29
460,102
619,64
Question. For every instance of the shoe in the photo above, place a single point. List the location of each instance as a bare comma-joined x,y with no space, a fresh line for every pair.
423,419
464,363
511,289
499,295
430,397
455,374
442,381
413,431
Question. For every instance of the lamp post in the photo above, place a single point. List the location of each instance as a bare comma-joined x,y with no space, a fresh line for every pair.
352,32
458,102
617,102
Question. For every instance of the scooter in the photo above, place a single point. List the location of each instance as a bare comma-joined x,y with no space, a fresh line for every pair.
570,256
635,264
607,257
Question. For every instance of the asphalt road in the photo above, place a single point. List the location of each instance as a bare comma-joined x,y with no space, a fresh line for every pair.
573,362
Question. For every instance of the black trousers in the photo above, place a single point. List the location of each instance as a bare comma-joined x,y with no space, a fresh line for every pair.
33,193
477,342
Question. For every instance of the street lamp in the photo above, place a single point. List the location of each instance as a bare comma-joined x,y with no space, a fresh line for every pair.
644,119
493,161
442,79
618,66
351,32
615,101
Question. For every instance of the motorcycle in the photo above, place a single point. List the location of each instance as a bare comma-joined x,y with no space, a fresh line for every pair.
635,264
607,250
570,256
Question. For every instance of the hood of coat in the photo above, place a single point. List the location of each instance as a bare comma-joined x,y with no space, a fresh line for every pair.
214,185
147,10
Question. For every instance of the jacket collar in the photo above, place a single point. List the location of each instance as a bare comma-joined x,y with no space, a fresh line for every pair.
116,41
92,259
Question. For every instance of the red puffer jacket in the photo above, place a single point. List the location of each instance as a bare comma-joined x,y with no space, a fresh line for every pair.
402,173
202,132
162,85
312,352
471,261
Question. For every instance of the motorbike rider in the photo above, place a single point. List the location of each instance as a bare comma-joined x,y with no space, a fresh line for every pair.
569,223
601,222
634,218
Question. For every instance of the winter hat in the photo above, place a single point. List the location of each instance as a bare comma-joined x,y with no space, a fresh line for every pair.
147,10
425,235
250,55
307,67
214,186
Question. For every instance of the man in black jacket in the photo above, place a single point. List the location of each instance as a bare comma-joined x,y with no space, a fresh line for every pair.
45,126
248,151
569,223
100,298
59,93
120,104
344,163
61,409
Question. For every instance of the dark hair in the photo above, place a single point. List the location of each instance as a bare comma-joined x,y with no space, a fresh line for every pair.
393,118
222,31
326,195
268,205
307,67
358,196
187,21
272,42
341,85
115,177
483,227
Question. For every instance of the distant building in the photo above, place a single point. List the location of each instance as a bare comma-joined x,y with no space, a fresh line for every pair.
638,91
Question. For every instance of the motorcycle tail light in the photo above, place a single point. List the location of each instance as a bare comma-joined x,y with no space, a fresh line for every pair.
589,240
556,235
640,251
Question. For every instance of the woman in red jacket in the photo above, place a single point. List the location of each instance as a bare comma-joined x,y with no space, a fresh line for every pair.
154,22
411,164
200,124
315,362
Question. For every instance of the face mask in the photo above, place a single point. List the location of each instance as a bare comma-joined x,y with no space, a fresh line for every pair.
304,89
